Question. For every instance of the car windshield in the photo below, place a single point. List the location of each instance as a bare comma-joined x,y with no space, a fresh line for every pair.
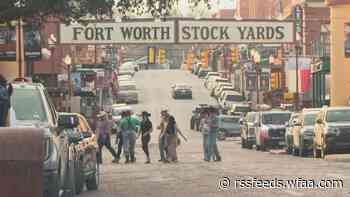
338,116
309,119
276,118
182,87
230,119
127,87
117,111
235,98
242,109
28,105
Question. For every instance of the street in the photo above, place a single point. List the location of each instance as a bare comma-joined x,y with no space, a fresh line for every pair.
194,177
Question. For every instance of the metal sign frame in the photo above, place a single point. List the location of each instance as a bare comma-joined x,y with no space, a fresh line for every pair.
177,30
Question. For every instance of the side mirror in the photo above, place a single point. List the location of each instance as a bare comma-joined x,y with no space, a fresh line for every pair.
319,121
68,121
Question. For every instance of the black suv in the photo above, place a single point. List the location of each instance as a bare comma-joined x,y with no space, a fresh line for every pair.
33,108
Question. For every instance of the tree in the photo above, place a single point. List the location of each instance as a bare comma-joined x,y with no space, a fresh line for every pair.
78,10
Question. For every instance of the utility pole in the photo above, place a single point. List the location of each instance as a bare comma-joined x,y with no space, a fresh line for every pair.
20,48
297,76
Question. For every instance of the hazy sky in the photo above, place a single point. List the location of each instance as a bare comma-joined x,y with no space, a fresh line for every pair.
216,5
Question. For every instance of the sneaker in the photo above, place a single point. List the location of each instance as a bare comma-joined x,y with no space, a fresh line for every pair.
148,162
218,159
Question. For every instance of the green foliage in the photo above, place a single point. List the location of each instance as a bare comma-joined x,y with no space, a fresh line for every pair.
68,10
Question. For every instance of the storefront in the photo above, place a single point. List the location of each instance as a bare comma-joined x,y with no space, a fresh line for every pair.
320,70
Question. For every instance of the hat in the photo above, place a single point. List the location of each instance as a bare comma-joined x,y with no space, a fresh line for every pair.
145,113
101,114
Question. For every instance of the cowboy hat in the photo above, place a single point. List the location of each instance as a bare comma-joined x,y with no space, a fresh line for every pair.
101,114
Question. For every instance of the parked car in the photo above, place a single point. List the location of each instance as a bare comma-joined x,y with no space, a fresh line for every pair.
212,83
228,126
211,74
289,132
203,72
222,87
248,130
230,98
332,131
127,92
195,118
223,90
83,143
303,131
117,110
270,129
181,91
33,108
218,85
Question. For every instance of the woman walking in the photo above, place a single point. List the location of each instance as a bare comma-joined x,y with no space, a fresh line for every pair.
172,139
146,130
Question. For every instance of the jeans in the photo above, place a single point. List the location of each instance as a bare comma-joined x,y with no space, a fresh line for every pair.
119,141
213,151
129,140
206,147
172,144
104,141
162,147
145,140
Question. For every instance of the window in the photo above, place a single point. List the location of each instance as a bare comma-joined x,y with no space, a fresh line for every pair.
235,98
28,105
338,116
347,40
276,118
310,119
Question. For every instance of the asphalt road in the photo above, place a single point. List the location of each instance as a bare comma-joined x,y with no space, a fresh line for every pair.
192,176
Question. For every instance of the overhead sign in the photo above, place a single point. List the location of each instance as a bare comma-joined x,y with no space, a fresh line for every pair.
179,31
236,32
126,32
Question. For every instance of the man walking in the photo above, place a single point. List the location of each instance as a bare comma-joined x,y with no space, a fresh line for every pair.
162,136
146,130
103,129
213,150
129,127
5,94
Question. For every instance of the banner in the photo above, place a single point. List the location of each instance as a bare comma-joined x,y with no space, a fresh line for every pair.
182,31
32,43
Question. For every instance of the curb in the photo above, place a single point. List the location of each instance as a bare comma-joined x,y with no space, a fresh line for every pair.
338,157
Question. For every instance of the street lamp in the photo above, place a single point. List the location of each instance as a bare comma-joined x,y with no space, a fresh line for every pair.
68,61
257,59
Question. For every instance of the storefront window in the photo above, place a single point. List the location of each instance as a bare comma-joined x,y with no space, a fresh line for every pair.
347,40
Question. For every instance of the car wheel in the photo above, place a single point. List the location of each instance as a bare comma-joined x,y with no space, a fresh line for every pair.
257,147
79,177
69,183
54,187
249,145
295,151
315,152
221,135
243,143
192,124
93,182
323,153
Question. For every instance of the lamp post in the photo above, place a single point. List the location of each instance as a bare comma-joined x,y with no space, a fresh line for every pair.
256,57
68,61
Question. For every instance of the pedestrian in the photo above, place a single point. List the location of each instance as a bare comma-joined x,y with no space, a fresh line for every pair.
103,129
129,128
163,135
119,138
173,131
213,150
146,130
204,128
5,105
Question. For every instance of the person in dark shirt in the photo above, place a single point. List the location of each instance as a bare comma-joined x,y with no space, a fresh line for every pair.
146,130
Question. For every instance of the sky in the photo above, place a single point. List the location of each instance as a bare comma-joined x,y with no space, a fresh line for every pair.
216,5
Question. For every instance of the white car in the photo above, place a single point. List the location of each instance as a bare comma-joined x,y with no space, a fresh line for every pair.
212,83
127,92
230,98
